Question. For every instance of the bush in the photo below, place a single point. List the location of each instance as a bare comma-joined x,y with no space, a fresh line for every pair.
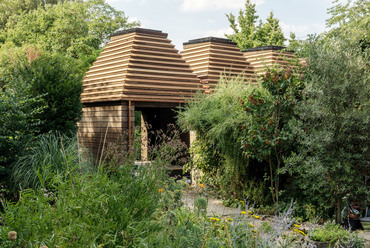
336,235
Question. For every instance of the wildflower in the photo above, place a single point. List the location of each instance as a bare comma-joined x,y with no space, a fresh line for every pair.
202,185
249,212
255,216
298,226
10,137
251,225
254,230
160,190
242,202
12,235
215,219
243,212
229,219
299,231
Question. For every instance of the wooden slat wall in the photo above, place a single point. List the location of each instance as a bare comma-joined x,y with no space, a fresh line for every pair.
104,120
210,57
139,65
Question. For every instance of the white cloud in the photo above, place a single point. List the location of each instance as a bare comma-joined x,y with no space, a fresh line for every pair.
204,5
220,33
301,31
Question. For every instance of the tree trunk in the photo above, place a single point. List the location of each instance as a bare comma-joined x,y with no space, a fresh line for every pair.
338,211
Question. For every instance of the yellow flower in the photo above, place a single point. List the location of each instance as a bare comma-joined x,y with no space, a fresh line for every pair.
215,219
249,212
299,231
254,230
242,202
160,190
243,212
256,216
10,137
298,226
251,225
202,185
12,235
229,219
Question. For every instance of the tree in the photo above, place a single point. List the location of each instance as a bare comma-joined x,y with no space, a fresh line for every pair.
247,34
267,135
270,32
71,28
333,125
57,81
351,19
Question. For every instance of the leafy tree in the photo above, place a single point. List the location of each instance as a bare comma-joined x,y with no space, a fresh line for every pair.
217,120
57,81
351,19
71,28
270,32
267,136
247,34
333,124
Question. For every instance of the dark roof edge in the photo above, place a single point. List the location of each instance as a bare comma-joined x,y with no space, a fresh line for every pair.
209,39
139,30
264,48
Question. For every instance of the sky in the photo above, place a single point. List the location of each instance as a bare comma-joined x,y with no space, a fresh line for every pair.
184,20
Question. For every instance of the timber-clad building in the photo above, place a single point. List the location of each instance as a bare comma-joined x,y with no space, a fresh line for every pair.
140,70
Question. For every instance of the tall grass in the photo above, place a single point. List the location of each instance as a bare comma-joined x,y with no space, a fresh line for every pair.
51,154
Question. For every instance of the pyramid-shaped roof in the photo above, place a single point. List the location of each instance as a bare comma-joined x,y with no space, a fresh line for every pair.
140,65
210,57
263,57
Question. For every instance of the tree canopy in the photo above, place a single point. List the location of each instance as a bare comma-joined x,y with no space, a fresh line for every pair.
71,28
247,34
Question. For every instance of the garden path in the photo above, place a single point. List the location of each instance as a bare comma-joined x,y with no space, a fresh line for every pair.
215,208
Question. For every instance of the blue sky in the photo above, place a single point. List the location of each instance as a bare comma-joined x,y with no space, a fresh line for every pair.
184,20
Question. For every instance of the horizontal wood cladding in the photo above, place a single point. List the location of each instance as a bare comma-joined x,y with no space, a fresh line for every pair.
139,64
107,122
210,58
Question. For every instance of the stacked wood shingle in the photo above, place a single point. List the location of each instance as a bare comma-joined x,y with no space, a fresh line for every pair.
139,65
261,58
210,57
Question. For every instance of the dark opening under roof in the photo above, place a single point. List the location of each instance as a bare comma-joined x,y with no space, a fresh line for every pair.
209,39
139,30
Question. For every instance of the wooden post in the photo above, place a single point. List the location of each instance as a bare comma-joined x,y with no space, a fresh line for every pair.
144,138
129,124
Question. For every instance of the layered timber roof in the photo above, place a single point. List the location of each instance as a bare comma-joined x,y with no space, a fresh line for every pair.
141,65
261,58
210,57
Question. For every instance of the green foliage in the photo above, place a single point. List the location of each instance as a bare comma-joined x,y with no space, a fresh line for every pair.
267,137
72,28
217,120
57,80
336,235
36,166
351,20
74,206
247,34
19,122
333,124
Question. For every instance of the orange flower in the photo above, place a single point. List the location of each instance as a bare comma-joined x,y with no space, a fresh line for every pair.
160,190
